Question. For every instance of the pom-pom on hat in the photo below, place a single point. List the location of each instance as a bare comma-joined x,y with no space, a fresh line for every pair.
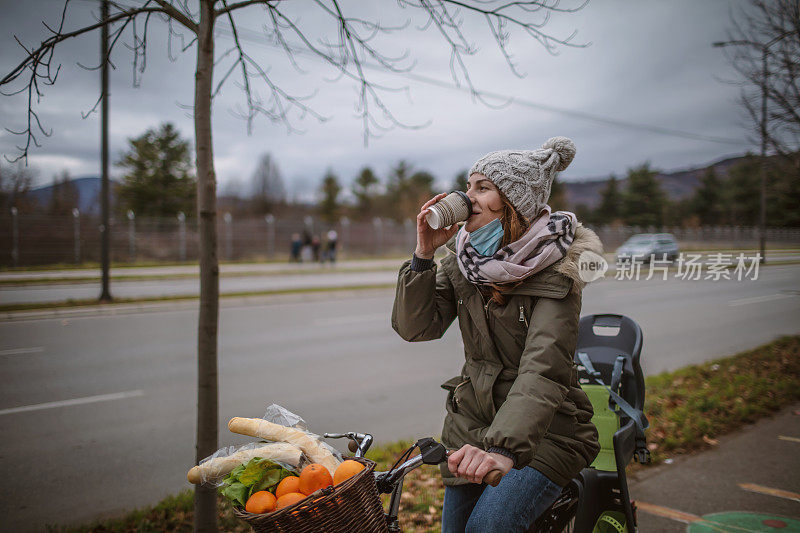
525,176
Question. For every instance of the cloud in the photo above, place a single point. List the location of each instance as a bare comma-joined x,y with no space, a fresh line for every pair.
648,63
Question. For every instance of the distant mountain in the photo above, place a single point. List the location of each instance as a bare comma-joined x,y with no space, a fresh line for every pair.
677,185
88,188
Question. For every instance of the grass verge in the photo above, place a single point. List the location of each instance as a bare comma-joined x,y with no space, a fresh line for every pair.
688,410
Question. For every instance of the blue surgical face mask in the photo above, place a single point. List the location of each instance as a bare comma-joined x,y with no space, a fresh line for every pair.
486,239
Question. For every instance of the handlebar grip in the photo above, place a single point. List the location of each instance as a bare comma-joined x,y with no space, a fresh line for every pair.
493,478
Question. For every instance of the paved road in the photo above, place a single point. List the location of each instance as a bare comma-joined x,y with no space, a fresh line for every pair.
191,286
193,270
103,406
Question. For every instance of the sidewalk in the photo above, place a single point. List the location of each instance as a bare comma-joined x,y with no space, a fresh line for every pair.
753,471
253,269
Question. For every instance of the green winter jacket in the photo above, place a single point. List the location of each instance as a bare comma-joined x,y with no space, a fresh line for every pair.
518,388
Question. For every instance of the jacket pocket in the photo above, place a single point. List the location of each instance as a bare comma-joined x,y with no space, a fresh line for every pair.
483,374
452,386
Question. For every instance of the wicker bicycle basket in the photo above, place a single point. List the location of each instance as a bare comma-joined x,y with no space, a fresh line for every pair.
351,506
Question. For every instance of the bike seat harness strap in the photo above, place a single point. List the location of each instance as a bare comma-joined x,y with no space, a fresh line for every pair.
634,414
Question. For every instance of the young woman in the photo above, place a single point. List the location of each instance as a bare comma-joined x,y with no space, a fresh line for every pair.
511,278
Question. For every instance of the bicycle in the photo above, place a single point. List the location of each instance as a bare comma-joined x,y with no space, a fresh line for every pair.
609,370
555,519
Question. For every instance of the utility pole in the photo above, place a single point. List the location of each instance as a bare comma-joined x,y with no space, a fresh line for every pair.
762,210
105,226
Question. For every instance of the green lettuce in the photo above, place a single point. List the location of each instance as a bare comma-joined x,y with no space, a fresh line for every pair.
258,474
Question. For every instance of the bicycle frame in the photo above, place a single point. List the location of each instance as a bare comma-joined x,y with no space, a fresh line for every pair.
554,520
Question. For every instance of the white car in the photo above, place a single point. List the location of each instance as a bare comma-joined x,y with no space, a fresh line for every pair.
646,246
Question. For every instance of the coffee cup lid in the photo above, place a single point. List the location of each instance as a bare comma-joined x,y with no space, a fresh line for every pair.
433,219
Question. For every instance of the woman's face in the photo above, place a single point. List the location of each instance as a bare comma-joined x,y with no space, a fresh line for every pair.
486,202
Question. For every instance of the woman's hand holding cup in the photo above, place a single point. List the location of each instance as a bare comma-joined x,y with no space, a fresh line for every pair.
429,239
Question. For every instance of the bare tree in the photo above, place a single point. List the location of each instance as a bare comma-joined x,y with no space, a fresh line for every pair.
15,182
267,185
764,47
351,54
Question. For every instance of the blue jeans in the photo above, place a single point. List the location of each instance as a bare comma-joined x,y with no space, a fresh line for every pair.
512,506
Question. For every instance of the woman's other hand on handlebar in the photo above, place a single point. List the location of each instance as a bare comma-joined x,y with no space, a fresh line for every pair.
429,239
473,463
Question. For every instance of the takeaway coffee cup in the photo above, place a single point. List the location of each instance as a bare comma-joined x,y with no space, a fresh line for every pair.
455,207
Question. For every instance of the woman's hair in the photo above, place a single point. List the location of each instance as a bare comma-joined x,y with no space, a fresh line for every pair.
514,227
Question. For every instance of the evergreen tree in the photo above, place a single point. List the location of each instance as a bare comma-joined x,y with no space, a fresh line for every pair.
585,214
460,181
783,193
643,202
707,200
267,185
364,190
610,208
15,182
159,178
398,201
558,195
742,192
329,198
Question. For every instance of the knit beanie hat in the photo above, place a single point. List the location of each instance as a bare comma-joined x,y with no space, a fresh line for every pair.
525,176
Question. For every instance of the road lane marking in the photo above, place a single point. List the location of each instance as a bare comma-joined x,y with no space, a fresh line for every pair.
769,491
666,512
759,299
790,439
686,518
22,351
353,319
74,401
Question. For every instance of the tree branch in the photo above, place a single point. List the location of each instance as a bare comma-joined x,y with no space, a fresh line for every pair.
170,10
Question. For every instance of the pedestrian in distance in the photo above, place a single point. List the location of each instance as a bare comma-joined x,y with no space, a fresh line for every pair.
510,277
295,247
333,241
316,246
306,251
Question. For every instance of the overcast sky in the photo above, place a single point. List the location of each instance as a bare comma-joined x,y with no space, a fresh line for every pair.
647,63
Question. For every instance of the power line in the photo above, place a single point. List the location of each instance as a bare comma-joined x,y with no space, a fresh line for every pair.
259,40
581,115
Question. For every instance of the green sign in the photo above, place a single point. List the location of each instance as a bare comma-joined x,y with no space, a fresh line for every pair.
740,522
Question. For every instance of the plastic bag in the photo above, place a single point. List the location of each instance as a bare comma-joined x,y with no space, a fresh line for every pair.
284,417
214,468
280,415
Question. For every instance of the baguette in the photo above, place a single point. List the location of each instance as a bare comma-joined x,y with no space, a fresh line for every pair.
313,448
219,466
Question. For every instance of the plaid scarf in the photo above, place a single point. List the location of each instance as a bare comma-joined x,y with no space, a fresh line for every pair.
545,242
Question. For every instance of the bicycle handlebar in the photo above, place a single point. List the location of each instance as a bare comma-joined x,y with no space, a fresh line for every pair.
493,478
360,443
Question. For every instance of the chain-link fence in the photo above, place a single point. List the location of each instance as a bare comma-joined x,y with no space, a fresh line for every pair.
35,239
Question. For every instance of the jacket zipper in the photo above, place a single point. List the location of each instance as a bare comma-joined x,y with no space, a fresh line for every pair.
485,304
522,316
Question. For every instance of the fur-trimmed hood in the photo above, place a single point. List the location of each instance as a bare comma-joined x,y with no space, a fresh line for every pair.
585,240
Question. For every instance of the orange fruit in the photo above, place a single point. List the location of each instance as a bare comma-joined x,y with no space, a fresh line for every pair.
288,499
314,477
346,470
287,485
260,502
